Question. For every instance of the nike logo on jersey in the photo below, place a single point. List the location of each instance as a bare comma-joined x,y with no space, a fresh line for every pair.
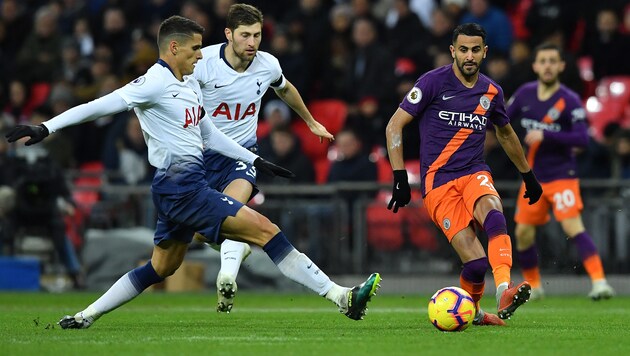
397,186
216,86
175,95
309,266
227,200
444,97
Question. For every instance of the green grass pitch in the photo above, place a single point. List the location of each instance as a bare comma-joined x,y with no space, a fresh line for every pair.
304,324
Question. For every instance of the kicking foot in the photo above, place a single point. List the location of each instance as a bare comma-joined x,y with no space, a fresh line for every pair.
226,288
601,290
76,322
360,295
509,299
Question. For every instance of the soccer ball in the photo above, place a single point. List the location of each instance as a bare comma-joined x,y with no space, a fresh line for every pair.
451,309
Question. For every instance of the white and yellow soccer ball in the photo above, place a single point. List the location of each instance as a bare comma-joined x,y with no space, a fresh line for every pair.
451,309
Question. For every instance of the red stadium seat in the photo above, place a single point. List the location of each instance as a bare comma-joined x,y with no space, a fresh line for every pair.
88,184
384,228
331,113
263,129
610,104
322,168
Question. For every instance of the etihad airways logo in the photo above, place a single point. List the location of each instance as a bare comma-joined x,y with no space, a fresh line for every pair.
531,124
462,119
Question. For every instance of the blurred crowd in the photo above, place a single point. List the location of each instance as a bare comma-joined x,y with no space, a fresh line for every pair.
55,54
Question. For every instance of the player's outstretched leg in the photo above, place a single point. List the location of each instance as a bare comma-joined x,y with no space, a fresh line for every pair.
299,268
233,253
125,289
360,295
509,299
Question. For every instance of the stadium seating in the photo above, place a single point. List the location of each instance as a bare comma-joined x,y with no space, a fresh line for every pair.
87,184
330,113
611,103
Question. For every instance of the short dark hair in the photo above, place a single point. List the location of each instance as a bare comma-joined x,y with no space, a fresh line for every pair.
469,29
547,46
177,27
243,14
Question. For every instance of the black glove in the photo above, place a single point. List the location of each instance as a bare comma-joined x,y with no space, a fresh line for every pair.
36,133
401,192
272,169
533,190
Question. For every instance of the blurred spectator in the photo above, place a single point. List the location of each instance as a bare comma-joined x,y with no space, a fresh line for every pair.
548,16
59,146
42,198
494,20
16,23
73,65
406,36
337,61
455,8
68,13
291,60
116,35
441,34
353,162
371,66
83,37
127,155
276,113
217,20
214,31
520,66
287,152
608,46
18,109
143,56
624,28
308,24
621,158
369,123
89,82
39,60
498,68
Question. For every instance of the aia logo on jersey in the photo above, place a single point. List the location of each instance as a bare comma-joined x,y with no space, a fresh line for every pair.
193,116
224,110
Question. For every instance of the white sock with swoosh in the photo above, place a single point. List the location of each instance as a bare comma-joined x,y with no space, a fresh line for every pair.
299,268
231,257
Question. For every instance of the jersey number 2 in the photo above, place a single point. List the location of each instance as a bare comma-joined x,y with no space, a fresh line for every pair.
485,181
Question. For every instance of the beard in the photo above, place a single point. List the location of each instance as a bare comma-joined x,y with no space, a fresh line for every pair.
467,72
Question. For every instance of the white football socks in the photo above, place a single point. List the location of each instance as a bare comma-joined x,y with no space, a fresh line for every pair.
298,267
232,253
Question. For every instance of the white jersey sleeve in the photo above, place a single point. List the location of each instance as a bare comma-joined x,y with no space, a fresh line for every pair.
215,140
107,105
142,92
279,82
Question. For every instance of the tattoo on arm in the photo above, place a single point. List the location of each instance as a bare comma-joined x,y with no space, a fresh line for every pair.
396,141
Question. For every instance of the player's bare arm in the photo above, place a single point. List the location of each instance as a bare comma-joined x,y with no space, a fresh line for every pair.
512,147
393,132
401,191
290,95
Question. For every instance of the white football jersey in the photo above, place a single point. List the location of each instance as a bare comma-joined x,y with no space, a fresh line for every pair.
169,112
232,99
